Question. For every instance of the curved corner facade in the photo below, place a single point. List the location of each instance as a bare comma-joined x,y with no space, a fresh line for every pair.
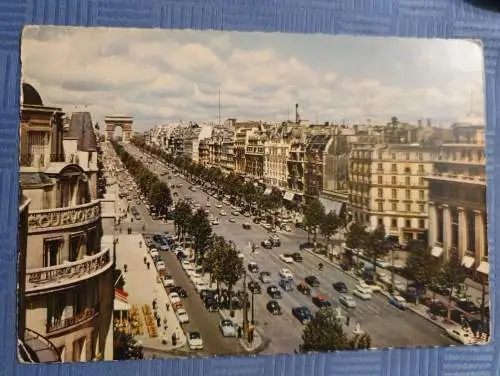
65,276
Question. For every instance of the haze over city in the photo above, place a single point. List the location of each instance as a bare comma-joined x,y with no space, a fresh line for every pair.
161,76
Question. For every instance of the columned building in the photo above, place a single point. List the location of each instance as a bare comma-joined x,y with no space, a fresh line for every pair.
457,199
68,284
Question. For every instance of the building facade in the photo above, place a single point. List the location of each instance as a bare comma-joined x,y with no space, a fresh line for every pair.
68,287
457,199
276,150
254,157
388,187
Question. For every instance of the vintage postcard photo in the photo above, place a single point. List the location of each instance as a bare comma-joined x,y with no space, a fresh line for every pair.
198,193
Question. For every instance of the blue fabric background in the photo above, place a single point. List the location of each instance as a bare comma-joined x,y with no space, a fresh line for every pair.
415,18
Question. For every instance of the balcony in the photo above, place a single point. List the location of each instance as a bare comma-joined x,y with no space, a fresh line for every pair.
62,218
35,348
88,314
55,277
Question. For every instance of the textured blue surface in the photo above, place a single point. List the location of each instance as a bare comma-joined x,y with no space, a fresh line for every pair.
416,18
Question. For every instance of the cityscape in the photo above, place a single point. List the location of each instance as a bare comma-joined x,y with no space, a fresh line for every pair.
168,217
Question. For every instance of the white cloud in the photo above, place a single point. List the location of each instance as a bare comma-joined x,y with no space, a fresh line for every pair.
159,76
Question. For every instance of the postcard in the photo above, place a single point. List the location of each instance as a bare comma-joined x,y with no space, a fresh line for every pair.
203,193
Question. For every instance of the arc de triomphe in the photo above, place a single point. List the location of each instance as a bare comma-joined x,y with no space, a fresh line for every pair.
113,121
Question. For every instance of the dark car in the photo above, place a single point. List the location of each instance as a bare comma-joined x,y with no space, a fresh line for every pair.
297,257
286,284
340,287
181,256
273,292
273,307
265,277
253,267
275,240
211,305
438,308
254,287
204,294
266,244
179,290
321,301
468,306
312,281
247,226
302,313
304,288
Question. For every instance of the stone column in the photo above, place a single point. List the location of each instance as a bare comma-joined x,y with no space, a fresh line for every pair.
432,224
447,241
462,232
480,229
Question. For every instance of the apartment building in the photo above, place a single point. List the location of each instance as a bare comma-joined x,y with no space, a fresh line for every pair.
276,150
457,198
254,157
388,187
296,168
67,288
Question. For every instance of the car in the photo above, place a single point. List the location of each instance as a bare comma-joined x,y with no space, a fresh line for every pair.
208,204
195,342
362,292
286,257
340,287
247,226
371,285
200,285
265,277
273,307
286,284
273,292
253,267
174,297
297,257
227,328
398,301
179,290
167,280
347,300
312,281
304,288
285,273
266,244
302,313
254,287
231,220
160,265
223,213
286,228
215,222
235,213
182,316
275,240
247,214
321,301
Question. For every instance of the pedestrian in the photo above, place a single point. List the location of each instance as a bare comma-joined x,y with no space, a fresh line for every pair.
239,331
174,339
348,320
140,244
125,268
165,321
145,259
148,264
154,304
158,322
168,307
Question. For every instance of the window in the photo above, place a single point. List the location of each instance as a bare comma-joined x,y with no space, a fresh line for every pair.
420,168
394,223
408,194
393,180
422,181
394,167
421,195
380,221
421,223
380,193
394,193
52,255
380,167
408,180
407,156
380,206
380,181
394,206
393,156
408,223
380,156
408,207
421,208
420,156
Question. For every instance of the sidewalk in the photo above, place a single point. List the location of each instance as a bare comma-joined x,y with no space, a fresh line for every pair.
143,287
419,309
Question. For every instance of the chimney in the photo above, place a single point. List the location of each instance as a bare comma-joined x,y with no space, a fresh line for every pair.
297,118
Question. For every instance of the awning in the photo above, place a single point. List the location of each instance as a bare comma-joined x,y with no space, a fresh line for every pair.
330,205
120,305
468,261
268,191
437,251
484,267
289,196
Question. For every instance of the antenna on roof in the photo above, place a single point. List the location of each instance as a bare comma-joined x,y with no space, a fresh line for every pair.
219,107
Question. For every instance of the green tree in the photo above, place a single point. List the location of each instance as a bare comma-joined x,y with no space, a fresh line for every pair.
201,231
376,245
182,215
421,266
125,347
313,216
212,262
324,333
452,276
160,197
230,269
329,225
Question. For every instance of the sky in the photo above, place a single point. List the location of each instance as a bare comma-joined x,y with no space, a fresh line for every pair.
162,76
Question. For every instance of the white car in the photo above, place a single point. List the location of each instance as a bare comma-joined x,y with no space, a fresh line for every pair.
286,274
223,213
218,206
232,220
347,300
195,342
465,337
373,287
362,292
189,268
174,298
168,281
182,316
200,285
227,328
160,265
208,204
215,222
185,264
286,258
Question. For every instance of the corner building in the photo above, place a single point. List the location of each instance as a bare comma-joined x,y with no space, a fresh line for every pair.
68,279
